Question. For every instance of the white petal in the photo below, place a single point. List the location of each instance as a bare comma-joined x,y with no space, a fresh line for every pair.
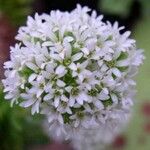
48,88
62,54
79,100
114,98
100,63
131,82
68,50
103,95
40,78
84,65
32,66
99,104
56,102
60,119
91,43
25,96
50,119
127,103
38,61
77,122
126,34
48,97
39,92
104,68
81,77
8,64
35,108
32,77
64,98
50,68
13,73
47,43
71,102
69,111
60,83
108,57
77,56
27,103
85,51
60,70
105,90
123,63
68,89
7,89
56,57
72,66
116,72
84,97
87,107
69,39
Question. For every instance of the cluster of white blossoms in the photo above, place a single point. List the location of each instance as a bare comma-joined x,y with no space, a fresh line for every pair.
77,70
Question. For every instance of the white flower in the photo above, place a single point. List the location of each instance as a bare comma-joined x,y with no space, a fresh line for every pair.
78,71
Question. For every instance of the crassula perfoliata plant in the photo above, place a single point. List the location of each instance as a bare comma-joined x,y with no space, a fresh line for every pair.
78,71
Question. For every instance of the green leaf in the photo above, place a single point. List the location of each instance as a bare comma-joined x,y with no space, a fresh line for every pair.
116,7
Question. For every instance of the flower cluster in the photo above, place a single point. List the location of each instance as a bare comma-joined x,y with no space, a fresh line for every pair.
75,69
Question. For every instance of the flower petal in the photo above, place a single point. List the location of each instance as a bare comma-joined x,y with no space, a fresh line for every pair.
77,56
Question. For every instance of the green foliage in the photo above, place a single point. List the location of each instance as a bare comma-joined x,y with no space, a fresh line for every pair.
10,128
145,7
16,10
122,7
17,129
138,138
117,7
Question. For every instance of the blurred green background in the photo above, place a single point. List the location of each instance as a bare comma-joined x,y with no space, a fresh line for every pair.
18,129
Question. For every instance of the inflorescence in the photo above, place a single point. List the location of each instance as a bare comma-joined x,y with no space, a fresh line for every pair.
75,69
